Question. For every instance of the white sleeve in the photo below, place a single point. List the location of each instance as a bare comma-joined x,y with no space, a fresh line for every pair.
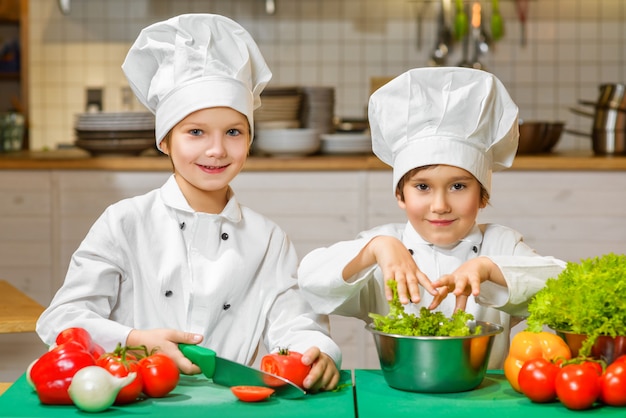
291,322
321,278
525,272
89,292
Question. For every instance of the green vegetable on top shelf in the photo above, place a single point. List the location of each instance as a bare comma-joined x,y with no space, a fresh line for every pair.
587,298
428,323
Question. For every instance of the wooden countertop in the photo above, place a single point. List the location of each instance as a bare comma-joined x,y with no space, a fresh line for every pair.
80,160
18,312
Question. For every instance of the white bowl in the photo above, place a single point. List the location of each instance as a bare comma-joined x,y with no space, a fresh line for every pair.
346,143
287,142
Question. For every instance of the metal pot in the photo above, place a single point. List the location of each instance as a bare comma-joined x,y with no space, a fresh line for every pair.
609,120
612,96
608,130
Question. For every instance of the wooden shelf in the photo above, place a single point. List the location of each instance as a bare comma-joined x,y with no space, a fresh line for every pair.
18,312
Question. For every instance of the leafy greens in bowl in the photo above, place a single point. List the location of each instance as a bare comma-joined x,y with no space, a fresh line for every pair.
587,298
428,323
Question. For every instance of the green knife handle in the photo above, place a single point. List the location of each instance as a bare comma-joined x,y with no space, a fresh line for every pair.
200,356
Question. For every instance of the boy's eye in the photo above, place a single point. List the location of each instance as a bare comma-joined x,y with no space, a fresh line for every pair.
421,186
458,186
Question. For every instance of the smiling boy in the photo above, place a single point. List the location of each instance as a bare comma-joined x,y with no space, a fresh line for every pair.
443,131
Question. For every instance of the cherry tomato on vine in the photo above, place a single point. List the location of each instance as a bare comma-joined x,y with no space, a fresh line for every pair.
159,374
121,366
537,380
578,385
286,364
613,383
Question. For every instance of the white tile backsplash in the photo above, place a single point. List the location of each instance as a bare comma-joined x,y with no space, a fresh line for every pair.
573,46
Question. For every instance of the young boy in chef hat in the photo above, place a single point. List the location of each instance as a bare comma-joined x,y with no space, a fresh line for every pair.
444,131
187,263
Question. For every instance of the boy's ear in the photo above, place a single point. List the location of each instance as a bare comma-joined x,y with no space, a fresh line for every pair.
164,148
400,200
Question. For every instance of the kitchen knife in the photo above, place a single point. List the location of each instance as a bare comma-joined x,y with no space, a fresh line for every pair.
229,373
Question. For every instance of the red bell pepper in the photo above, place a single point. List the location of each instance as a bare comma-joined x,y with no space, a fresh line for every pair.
81,336
52,373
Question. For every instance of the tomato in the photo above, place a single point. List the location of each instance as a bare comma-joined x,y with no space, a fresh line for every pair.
121,366
286,364
159,374
577,386
537,380
613,383
251,393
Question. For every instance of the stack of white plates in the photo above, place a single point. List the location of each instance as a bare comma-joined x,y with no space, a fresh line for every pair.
346,143
286,142
115,132
279,105
115,121
318,109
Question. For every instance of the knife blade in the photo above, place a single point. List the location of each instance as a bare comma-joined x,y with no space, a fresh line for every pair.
225,372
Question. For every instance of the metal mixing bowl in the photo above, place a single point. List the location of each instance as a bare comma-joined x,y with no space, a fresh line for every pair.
537,137
435,364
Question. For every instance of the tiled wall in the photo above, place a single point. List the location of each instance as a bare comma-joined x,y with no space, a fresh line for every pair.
573,46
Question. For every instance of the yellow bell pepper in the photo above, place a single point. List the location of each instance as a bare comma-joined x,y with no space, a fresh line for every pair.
528,345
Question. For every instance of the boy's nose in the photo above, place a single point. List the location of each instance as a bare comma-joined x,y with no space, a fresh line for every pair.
216,147
439,204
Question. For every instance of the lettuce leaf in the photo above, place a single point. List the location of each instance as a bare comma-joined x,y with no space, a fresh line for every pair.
428,323
587,298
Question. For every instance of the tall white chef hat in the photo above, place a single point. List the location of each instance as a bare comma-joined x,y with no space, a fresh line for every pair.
444,115
195,61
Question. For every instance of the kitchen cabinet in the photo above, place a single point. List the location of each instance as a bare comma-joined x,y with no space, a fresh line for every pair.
44,215
14,58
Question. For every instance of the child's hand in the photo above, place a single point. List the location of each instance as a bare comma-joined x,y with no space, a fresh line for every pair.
323,375
396,262
466,280
167,340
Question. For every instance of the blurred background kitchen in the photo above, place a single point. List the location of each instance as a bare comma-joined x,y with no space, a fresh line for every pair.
570,48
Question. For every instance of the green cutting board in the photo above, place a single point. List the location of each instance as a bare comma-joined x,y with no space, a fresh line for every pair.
493,398
195,396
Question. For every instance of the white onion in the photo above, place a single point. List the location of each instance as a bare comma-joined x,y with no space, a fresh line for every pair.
93,388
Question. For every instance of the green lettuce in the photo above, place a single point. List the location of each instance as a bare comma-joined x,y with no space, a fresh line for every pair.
587,298
428,323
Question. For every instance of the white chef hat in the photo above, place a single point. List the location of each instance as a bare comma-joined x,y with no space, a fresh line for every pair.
461,117
195,61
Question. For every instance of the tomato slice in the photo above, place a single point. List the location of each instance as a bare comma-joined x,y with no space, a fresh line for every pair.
252,393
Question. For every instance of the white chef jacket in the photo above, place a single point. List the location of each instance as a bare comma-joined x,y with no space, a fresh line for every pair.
153,262
525,272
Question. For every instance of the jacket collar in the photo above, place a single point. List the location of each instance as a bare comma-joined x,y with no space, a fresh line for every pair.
412,238
173,197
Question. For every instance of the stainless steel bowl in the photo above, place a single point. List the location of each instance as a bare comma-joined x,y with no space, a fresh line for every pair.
435,364
537,137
